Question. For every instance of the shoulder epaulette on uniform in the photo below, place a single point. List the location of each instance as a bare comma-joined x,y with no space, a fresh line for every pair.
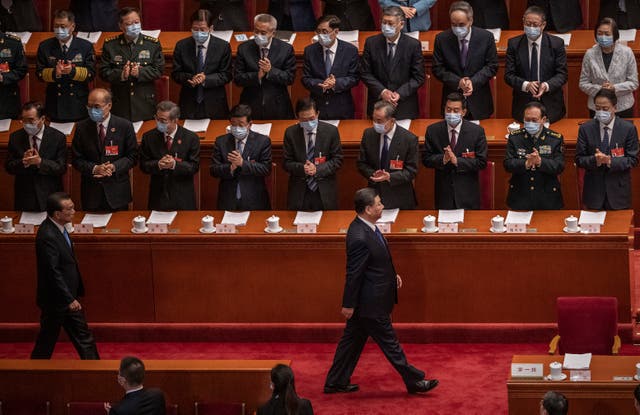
150,38
109,39
13,37
555,134
520,131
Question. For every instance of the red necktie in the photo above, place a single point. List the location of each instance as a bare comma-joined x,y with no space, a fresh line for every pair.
168,141
103,134
453,139
34,142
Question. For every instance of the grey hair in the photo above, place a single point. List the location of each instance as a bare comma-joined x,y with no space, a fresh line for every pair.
389,109
108,98
462,6
172,108
266,18
393,11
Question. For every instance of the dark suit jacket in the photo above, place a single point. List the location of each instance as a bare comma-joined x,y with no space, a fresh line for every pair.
12,54
95,15
300,12
613,182
398,193
490,14
217,71
338,102
370,287
609,8
404,76
87,153
482,65
251,176
553,70
276,406
269,99
34,184
227,14
353,14
59,280
295,155
562,15
23,17
171,189
456,187
142,402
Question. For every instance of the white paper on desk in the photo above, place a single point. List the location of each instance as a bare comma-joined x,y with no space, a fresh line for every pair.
5,125
451,216
592,217
519,217
152,33
576,361
197,126
476,122
24,36
92,37
32,218
264,129
160,217
349,35
64,127
223,34
292,39
236,218
308,217
335,123
388,216
415,34
566,37
404,123
98,220
628,35
496,34
137,125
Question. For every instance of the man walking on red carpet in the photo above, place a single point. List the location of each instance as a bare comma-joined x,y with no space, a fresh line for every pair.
370,291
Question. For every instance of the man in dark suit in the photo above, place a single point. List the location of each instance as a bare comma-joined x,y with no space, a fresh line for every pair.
457,150
312,157
60,284
37,156
625,12
353,14
104,150
241,160
536,67
171,155
137,400
95,15
227,14
296,15
388,158
330,71
534,158
265,67
607,149
490,14
392,66
131,62
67,64
465,59
202,65
13,67
563,15
19,16
370,292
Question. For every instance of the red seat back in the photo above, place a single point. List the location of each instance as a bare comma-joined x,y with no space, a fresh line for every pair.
24,408
587,324
359,95
219,408
85,408
166,15
23,86
487,179
580,183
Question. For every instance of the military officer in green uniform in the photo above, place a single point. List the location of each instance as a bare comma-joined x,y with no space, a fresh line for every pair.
67,64
13,67
535,159
131,62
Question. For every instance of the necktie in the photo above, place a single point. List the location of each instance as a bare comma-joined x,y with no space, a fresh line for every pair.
604,144
312,184
264,52
380,237
34,143
65,49
200,69
327,62
622,6
390,51
102,134
534,62
239,149
464,52
384,154
66,237
168,142
454,140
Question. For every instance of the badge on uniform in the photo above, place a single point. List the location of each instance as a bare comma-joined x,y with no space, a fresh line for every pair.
521,152
110,150
469,154
5,53
4,67
117,58
77,58
320,159
396,164
546,149
617,152
144,54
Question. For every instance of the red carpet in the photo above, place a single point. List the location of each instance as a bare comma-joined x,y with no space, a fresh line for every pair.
472,376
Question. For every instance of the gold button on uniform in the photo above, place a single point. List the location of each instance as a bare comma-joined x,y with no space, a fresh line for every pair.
532,188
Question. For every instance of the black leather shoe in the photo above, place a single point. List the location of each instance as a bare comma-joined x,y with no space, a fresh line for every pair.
341,388
423,386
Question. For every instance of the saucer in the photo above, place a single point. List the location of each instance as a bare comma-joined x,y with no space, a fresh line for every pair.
280,229
70,230
635,377
425,230
12,230
568,231
504,229
562,377
203,230
136,231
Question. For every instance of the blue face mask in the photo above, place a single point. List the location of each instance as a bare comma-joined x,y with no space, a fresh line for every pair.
239,132
325,39
31,129
310,125
452,118
261,40
380,128
199,37
162,126
603,116
532,127
134,30
605,41
61,33
96,114
532,32
460,31
388,31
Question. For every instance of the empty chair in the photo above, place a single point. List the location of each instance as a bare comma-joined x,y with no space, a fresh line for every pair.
219,408
24,407
487,179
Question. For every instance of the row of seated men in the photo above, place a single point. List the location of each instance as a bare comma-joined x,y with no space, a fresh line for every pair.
105,149
391,67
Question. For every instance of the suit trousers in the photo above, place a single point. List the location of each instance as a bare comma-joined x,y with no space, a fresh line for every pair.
74,324
356,333
312,201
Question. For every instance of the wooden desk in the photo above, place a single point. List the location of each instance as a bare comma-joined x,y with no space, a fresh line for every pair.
602,395
182,381
469,277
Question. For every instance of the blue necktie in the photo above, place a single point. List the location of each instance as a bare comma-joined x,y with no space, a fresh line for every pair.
384,154
312,184
66,237
200,69
380,237
327,62
604,144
